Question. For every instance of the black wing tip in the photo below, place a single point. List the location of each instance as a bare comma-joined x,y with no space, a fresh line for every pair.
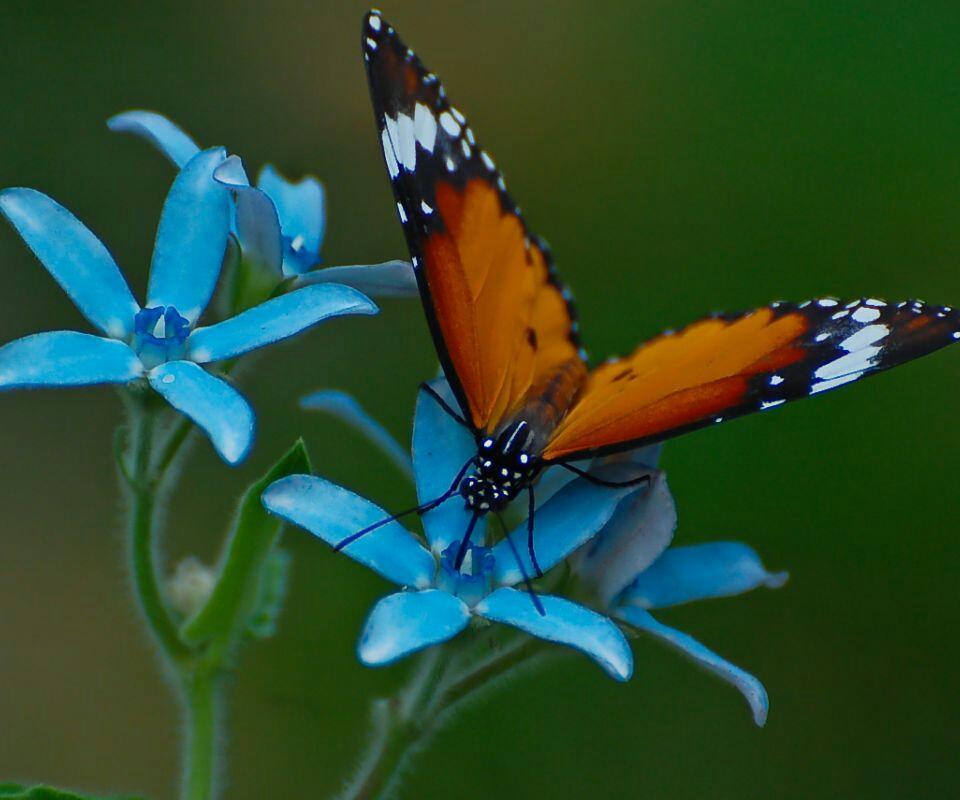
374,30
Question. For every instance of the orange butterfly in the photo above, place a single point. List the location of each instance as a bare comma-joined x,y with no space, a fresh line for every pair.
506,333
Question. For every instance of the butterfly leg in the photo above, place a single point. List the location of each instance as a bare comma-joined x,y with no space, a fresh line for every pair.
639,481
426,387
465,542
531,511
421,509
523,571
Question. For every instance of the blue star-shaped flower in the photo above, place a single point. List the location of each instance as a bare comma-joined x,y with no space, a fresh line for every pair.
437,601
279,223
630,570
160,341
626,569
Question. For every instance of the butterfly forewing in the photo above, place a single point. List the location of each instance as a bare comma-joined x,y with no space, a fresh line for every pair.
723,367
501,321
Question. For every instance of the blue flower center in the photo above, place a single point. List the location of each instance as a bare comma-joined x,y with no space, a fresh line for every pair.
297,258
160,335
473,580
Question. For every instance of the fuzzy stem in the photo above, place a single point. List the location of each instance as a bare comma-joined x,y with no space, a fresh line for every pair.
405,723
200,690
141,525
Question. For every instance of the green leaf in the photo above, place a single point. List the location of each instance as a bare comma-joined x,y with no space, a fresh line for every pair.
273,591
15,791
238,589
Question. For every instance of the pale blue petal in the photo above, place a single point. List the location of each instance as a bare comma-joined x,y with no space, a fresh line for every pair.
389,279
333,513
699,572
212,403
258,226
300,206
75,257
346,408
275,320
66,358
563,622
441,447
163,134
637,534
744,682
570,518
191,238
405,622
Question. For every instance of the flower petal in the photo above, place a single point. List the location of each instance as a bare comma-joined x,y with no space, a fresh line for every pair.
66,358
163,134
744,682
571,517
389,279
441,448
258,226
191,239
346,408
211,403
76,258
333,513
637,534
564,622
300,206
405,622
275,320
699,572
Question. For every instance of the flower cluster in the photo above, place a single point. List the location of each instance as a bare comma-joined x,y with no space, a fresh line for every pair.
615,541
160,342
279,224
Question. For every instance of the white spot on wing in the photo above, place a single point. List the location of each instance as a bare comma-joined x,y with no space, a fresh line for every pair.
375,22
388,153
864,314
426,208
864,337
824,385
449,124
467,152
775,380
425,127
371,43
771,404
408,142
488,162
401,212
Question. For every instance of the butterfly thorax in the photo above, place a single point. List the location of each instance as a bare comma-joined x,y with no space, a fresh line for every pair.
505,465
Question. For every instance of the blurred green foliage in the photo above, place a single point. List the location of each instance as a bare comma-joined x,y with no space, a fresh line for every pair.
680,157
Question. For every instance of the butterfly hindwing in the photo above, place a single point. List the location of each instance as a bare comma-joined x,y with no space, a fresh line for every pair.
501,321
727,366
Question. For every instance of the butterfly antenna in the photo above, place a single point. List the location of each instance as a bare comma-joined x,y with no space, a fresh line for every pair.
426,387
421,509
600,482
537,604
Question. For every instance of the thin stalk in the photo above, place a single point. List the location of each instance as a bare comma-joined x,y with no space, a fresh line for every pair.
200,688
141,527
405,723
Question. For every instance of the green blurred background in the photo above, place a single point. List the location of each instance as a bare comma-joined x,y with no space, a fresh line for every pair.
681,157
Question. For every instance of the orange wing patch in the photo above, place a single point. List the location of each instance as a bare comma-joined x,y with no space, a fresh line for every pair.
674,379
504,323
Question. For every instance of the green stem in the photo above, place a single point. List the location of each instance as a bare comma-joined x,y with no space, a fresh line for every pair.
404,724
142,518
200,690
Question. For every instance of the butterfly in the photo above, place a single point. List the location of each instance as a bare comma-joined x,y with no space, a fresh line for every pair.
506,331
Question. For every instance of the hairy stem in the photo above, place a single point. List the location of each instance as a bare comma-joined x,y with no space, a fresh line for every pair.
141,531
404,724
200,689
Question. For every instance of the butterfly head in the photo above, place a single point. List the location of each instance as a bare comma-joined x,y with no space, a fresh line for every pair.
504,468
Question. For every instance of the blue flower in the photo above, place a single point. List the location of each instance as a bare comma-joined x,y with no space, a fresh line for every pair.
160,341
629,569
437,602
280,224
